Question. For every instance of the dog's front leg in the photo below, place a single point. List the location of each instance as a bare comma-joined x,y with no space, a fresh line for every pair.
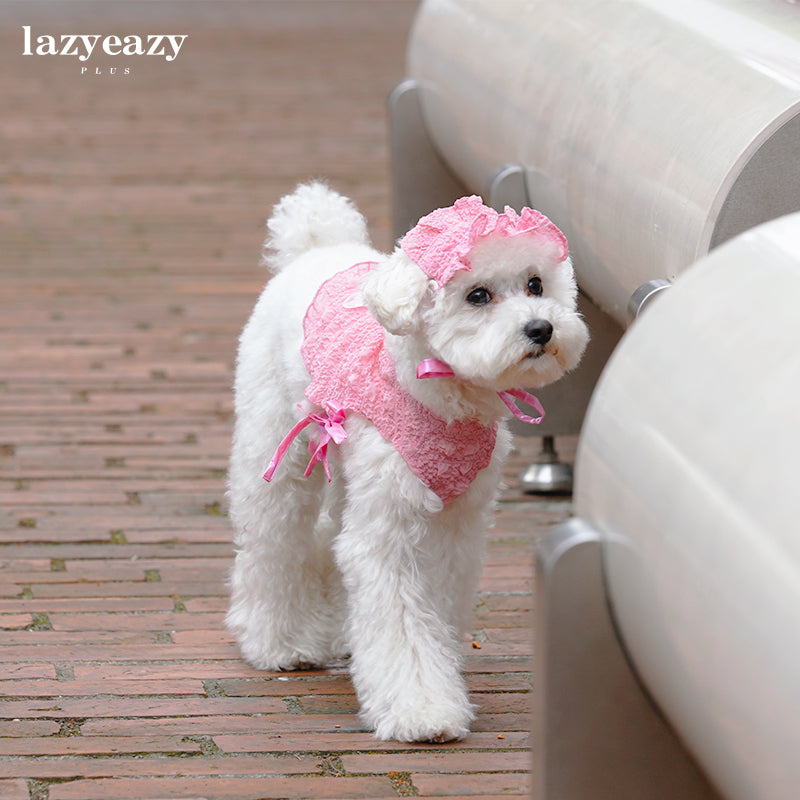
402,624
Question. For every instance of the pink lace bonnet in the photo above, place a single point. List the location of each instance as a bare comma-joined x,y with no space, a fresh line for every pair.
441,241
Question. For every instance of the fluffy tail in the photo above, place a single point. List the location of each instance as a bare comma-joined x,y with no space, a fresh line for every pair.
312,216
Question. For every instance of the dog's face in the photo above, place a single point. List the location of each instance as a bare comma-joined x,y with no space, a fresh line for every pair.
509,321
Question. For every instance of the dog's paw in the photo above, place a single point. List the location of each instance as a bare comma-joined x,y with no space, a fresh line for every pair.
300,666
426,725
434,733
281,660
445,736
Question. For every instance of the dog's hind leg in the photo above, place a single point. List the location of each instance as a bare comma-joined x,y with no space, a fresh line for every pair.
287,604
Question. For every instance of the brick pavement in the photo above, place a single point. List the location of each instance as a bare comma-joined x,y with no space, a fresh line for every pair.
131,209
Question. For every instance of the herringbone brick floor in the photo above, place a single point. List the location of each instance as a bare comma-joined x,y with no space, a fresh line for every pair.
131,213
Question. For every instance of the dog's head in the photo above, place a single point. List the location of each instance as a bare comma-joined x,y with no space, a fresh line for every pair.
492,295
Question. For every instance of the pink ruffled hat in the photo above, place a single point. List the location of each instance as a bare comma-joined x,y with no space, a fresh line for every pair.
440,242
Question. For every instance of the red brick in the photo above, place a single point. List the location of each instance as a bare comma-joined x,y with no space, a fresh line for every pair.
23,671
505,582
481,795
285,685
187,588
208,636
494,682
221,788
136,621
15,621
15,789
250,720
343,740
89,604
82,551
503,702
480,661
26,727
508,602
505,784
120,767
502,723
24,565
140,707
227,672
206,725
206,604
329,704
96,745
503,619
75,688
59,639
437,762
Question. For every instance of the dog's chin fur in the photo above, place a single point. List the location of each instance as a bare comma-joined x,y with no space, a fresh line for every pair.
374,565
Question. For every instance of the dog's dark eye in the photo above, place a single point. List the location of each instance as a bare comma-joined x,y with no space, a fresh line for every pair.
535,286
479,296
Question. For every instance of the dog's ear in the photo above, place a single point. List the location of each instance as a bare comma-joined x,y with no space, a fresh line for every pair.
393,292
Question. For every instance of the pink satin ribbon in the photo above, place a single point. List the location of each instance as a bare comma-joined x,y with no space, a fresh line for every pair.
330,430
434,368
520,394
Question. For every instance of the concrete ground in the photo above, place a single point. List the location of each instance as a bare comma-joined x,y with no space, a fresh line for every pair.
131,216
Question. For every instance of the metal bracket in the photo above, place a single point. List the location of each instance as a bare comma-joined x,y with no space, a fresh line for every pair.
421,179
597,733
644,295
507,188
547,475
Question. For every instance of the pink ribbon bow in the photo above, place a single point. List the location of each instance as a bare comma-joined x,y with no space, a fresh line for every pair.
434,368
331,429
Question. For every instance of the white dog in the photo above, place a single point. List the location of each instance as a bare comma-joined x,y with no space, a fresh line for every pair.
396,372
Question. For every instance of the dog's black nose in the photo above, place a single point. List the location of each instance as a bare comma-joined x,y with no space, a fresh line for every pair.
539,331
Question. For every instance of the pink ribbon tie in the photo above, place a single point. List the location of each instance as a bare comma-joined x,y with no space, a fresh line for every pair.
331,429
520,394
434,368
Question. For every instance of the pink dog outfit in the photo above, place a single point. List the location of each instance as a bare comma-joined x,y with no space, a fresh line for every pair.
344,351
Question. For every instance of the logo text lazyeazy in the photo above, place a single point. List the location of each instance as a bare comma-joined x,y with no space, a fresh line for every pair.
83,45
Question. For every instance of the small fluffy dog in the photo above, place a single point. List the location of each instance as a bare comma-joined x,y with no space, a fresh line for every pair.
404,367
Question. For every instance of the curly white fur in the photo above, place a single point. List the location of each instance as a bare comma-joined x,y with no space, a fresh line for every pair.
373,565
